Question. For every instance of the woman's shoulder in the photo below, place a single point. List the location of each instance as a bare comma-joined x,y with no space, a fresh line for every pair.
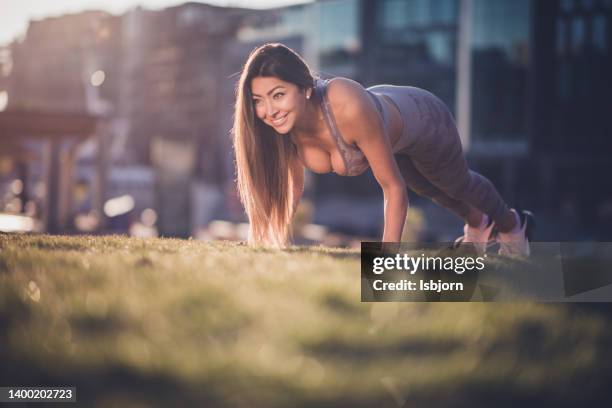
349,100
344,94
342,87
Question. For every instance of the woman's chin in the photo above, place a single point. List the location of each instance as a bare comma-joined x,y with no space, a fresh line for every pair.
284,129
285,126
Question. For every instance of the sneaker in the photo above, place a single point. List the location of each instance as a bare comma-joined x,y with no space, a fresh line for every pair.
516,242
480,237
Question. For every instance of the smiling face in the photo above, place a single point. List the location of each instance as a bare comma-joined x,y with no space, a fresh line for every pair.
277,103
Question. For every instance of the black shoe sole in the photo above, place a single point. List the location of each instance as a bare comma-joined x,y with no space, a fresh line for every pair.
527,216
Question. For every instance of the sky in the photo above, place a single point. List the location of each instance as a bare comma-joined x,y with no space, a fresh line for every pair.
15,14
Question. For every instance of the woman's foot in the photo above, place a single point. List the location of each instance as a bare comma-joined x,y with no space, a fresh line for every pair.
516,242
478,236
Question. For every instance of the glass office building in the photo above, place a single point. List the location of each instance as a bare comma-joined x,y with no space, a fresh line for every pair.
500,66
580,69
527,80
411,42
337,37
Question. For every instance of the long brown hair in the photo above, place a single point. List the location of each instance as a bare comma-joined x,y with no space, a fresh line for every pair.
264,158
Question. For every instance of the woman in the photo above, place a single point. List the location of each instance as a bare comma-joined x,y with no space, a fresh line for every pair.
287,120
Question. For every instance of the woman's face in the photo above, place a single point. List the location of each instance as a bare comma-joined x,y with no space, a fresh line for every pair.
277,103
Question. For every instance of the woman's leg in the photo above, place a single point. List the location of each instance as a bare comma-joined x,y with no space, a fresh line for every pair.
474,217
433,164
477,229
439,158
463,192
423,187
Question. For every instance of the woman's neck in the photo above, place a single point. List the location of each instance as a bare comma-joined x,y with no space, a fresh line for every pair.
311,122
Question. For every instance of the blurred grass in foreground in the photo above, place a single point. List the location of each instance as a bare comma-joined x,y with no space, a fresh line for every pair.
141,322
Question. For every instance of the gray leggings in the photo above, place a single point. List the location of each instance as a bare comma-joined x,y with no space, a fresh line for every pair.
430,157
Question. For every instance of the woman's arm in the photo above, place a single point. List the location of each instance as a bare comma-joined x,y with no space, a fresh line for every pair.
358,119
297,175
396,205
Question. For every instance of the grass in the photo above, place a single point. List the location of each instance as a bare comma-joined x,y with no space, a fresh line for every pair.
156,322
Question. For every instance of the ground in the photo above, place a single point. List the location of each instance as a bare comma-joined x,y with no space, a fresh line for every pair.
156,322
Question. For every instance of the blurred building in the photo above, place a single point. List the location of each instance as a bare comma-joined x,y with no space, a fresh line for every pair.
43,115
48,67
569,131
153,77
173,75
528,82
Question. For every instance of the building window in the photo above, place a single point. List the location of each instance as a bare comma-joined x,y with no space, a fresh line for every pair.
577,34
599,33
395,15
561,37
402,14
581,72
339,43
500,64
417,45
567,5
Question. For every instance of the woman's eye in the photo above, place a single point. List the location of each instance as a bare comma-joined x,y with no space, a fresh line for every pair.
256,101
278,94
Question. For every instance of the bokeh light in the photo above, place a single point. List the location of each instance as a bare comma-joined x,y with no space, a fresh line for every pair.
17,187
148,217
119,205
97,78
3,100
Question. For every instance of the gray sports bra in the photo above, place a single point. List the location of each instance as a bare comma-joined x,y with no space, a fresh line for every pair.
354,160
